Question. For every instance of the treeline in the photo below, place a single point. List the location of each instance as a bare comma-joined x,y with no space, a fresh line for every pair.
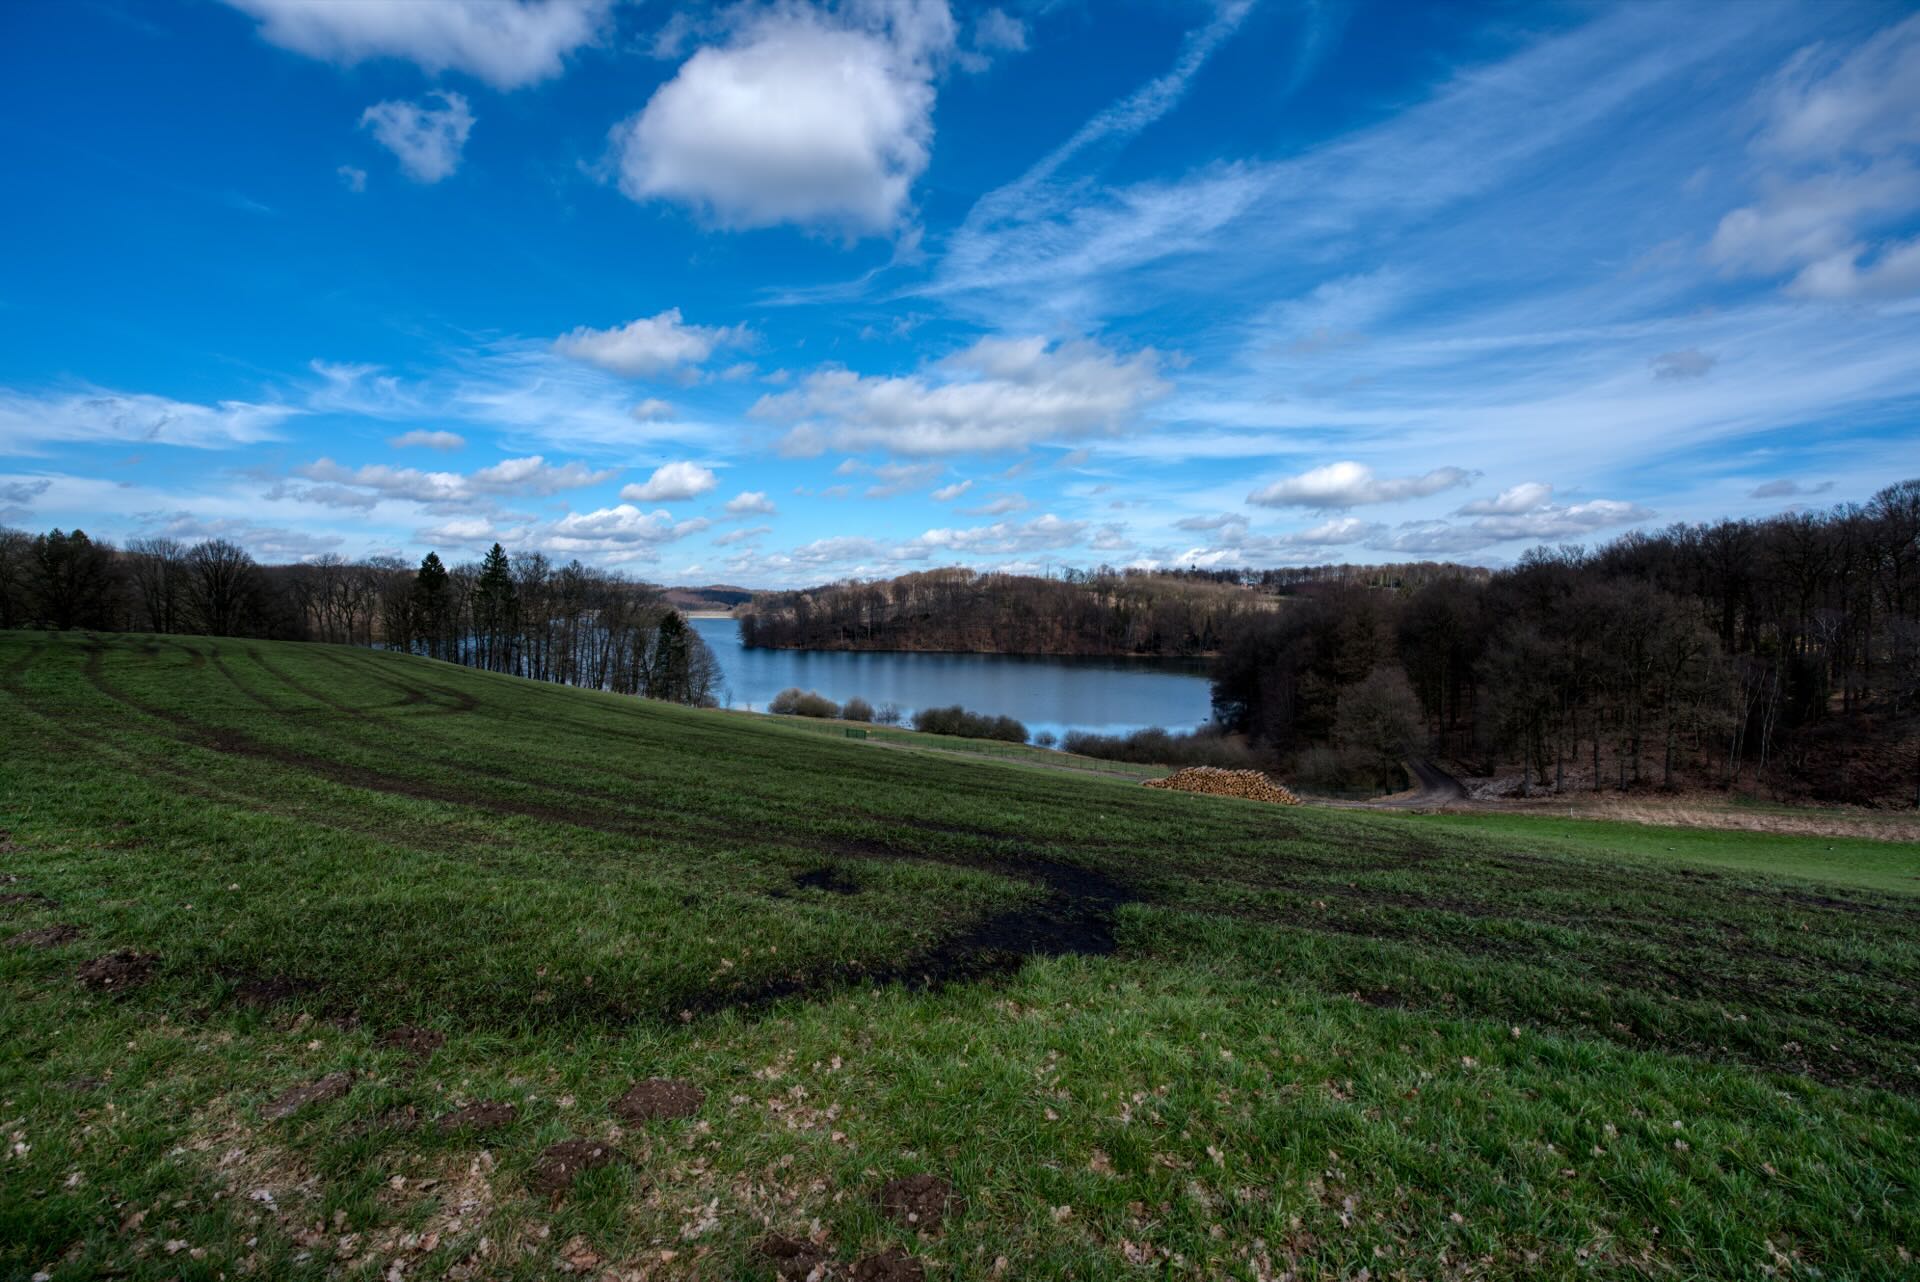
1785,650
523,615
1099,612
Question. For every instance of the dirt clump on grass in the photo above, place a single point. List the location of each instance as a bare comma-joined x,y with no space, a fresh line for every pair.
13,897
831,880
1213,781
921,1202
117,971
562,1163
794,1259
891,1265
481,1115
330,1087
418,1043
659,1098
44,937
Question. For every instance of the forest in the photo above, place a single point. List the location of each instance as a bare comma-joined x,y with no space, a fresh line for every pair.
1783,652
522,615
1083,612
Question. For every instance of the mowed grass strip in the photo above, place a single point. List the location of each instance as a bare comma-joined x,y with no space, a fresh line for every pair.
1139,1034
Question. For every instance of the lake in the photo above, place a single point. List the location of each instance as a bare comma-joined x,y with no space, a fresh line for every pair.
1107,696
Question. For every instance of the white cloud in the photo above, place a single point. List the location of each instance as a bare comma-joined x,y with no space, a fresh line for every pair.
95,415
354,179
532,475
428,440
1525,497
670,482
802,116
1005,538
998,394
649,346
652,410
751,503
623,524
1340,530
995,31
1343,485
507,43
947,493
1840,148
427,140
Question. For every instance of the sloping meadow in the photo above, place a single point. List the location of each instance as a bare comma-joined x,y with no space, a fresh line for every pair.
319,961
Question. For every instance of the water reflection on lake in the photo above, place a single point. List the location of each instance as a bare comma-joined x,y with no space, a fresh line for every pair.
1109,696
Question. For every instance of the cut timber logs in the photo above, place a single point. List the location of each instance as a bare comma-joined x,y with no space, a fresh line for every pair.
1216,782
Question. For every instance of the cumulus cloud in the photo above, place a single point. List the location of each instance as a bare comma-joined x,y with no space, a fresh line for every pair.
671,482
1523,512
1006,537
649,346
507,43
1344,485
947,493
94,415
532,475
751,503
652,410
621,525
1525,497
823,119
426,140
1839,151
1000,393
427,440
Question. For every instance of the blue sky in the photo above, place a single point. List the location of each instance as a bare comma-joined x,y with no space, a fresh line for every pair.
779,293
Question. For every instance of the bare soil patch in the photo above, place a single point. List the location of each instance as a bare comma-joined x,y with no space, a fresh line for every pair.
481,1115
44,937
418,1043
330,1087
562,1163
921,1202
794,1259
13,897
117,971
658,1098
891,1265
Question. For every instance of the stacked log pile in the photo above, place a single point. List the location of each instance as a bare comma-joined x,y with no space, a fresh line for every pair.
1216,782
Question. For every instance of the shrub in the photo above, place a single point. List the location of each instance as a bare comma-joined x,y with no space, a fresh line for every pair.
856,709
809,703
1046,739
1208,746
889,714
968,725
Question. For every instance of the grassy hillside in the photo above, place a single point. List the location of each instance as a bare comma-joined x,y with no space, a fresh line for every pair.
1140,1034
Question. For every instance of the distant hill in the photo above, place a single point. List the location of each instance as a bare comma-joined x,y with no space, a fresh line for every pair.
715,596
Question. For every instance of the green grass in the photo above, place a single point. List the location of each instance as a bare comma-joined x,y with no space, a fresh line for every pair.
1862,862
1166,1035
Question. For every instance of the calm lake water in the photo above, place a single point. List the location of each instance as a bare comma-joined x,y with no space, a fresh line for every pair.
1108,696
